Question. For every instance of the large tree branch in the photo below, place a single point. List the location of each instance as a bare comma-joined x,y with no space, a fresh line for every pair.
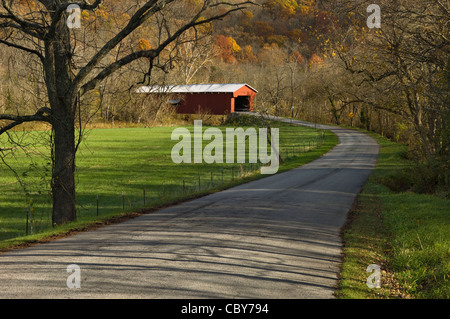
20,47
11,24
39,116
152,54
25,24
84,5
148,9
56,17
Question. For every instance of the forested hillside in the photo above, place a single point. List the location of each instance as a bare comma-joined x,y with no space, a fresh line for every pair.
315,60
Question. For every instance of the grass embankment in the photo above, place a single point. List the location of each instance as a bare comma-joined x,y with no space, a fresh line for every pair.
130,170
407,234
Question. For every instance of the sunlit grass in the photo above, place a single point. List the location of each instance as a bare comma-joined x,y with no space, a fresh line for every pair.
128,169
406,234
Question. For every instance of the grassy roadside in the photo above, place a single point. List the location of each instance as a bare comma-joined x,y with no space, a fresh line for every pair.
128,160
405,233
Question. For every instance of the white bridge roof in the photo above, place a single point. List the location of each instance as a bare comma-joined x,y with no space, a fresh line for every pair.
194,88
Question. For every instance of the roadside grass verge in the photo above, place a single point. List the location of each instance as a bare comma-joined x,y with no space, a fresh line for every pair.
128,172
405,233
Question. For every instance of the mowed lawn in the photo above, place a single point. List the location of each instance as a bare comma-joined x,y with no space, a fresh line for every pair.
125,169
407,234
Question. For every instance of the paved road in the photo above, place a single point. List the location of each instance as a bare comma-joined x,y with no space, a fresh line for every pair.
277,237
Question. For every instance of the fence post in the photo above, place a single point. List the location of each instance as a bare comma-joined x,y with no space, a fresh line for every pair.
31,216
28,213
164,189
199,187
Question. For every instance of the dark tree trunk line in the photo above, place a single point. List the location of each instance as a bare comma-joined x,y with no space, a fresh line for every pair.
59,82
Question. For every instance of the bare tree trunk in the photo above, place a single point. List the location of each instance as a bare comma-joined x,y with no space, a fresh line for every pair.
63,181
59,82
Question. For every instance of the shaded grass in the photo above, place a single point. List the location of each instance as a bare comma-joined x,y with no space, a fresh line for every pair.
405,233
120,166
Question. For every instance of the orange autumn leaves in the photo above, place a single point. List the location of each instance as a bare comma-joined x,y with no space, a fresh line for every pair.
227,47
229,51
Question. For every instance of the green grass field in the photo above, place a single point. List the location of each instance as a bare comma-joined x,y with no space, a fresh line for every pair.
407,234
120,166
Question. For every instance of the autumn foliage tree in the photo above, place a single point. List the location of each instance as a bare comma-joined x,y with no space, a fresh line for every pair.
401,69
227,48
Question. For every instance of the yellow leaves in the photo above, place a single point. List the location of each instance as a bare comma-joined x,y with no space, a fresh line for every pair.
205,27
247,54
85,15
228,48
144,45
248,15
304,10
282,8
101,13
331,54
234,46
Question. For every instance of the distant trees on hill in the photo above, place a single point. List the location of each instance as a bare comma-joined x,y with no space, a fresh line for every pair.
316,59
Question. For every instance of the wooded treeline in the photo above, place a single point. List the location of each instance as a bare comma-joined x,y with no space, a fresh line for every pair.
315,60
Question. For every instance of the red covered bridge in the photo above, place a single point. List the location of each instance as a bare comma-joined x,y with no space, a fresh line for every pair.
218,99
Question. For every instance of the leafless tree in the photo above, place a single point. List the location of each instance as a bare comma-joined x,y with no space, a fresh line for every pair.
402,67
40,29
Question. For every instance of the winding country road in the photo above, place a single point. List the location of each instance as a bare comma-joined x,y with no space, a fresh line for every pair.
277,237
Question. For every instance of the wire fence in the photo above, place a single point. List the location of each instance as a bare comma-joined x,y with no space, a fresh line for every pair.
214,178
